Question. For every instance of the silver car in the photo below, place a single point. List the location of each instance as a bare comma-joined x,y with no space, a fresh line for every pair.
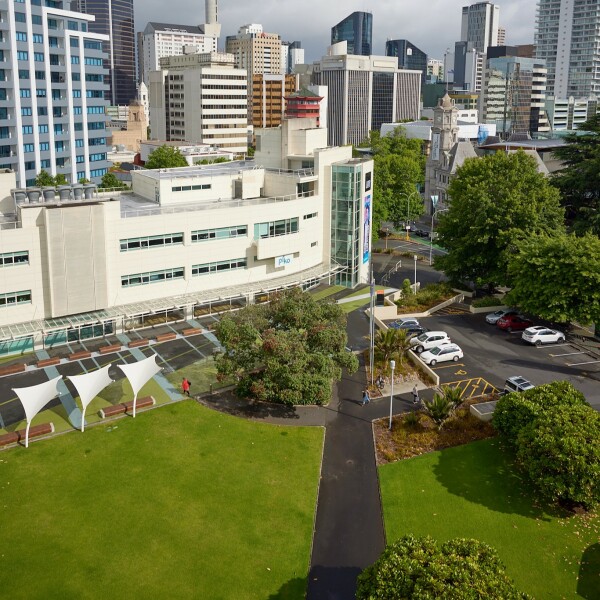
494,317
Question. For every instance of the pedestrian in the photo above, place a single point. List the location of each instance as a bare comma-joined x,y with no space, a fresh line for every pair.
415,394
365,397
185,386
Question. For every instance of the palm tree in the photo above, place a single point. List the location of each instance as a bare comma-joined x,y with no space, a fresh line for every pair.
439,409
403,338
391,343
453,395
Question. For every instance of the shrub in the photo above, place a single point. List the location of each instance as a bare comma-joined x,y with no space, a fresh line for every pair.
560,453
419,569
439,409
487,301
518,409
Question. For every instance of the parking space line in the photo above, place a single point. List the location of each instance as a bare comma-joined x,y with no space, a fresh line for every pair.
566,354
448,366
590,362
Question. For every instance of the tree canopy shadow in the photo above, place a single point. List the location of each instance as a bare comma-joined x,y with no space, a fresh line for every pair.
588,582
290,590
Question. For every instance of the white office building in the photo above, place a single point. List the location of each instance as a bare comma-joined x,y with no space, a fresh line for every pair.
202,99
479,25
52,107
364,92
184,241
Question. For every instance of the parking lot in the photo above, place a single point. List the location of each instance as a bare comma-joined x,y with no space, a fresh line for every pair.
492,355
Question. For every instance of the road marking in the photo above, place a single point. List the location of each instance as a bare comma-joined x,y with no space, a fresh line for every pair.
472,386
567,354
451,366
591,362
460,372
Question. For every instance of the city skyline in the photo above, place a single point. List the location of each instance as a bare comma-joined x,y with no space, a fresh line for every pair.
433,30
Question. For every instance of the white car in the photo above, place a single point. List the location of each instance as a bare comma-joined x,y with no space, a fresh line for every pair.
539,335
429,339
441,354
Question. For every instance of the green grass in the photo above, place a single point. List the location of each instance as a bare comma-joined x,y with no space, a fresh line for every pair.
329,291
473,491
202,374
181,502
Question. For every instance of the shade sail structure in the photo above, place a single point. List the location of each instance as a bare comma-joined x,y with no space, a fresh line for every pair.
88,386
34,398
139,373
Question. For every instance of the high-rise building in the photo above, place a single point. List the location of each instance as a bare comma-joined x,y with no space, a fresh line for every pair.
256,51
479,25
435,70
501,36
303,104
357,30
408,55
268,93
200,98
292,54
114,18
364,92
567,38
52,109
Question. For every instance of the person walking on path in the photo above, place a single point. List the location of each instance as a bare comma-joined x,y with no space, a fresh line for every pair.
365,398
185,386
415,394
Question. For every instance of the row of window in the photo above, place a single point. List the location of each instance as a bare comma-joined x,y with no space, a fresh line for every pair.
151,241
11,298
152,277
188,188
219,233
9,259
275,228
219,266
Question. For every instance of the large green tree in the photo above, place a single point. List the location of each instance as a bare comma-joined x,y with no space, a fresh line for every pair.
399,168
579,180
557,278
419,569
495,202
166,157
288,351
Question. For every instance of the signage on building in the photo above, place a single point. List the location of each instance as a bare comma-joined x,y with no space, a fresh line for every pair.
368,182
435,146
367,229
284,261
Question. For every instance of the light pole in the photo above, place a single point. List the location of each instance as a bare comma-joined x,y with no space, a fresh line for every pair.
435,212
393,365
372,328
416,258
408,197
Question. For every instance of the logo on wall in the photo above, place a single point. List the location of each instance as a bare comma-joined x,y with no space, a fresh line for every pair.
368,182
283,261
367,229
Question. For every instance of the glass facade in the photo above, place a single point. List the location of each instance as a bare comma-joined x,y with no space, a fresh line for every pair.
115,19
346,181
357,30
382,100
409,56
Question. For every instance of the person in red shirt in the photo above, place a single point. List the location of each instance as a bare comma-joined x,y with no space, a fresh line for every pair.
185,386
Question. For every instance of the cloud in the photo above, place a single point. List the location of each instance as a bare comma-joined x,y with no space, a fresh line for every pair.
432,25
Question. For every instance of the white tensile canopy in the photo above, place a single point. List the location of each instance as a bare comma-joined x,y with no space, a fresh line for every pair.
34,398
139,373
88,386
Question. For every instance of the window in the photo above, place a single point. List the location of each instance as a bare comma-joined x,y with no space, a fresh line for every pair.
94,62
74,60
53,42
220,266
310,216
45,163
15,298
78,143
222,233
90,45
76,93
98,172
275,228
22,55
20,17
96,125
151,241
27,129
42,111
28,147
96,110
25,93
97,141
188,188
72,25
152,277
40,75
30,165
4,133
77,110
52,24
36,19
23,73
59,146
38,38
43,128
80,158
58,129
97,157
20,36
26,112
40,93
38,56
8,259
44,146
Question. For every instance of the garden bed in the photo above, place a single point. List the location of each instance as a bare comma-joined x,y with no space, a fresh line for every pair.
425,299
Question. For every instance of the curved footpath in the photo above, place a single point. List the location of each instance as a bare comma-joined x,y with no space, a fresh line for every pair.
349,533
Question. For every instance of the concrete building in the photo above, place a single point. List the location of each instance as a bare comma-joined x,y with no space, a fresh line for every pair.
364,92
435,70
501,36
268,93
292,54
162,39
357,30
128,135
567,38
567,114
200,98
184,241
409,56
193,153
256,51
114,18
52,94
304,104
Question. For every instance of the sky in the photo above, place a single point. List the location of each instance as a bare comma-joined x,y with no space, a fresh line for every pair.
432,25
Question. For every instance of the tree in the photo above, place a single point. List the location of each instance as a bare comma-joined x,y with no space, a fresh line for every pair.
110,182
557,278
391,343
166,157
439,409
44,179
60,179
419,569
288,351
495,202
579,180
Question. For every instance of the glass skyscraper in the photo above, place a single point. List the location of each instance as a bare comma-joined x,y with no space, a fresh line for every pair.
115,19
357,30
408,55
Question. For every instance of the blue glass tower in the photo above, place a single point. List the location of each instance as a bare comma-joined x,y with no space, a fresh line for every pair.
357,30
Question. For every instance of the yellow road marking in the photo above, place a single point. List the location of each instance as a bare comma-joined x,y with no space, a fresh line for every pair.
473,386
450,366
460,371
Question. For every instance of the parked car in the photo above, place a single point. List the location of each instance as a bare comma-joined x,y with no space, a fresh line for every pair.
441,354
539,335
493,318
513,323
421,233
430,339
410,325
517,384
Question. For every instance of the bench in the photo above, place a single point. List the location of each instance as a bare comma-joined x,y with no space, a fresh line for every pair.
9,438
125,407
80,355
18,436
166,337
48,362
12,369
138,343
108,349
194,331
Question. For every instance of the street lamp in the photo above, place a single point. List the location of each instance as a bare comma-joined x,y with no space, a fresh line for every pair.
435,212
408,197
416,258
393,365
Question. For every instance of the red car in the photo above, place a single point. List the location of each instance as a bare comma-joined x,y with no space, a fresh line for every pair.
514,323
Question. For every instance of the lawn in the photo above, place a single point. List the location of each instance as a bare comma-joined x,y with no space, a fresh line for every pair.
472,491
180,502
